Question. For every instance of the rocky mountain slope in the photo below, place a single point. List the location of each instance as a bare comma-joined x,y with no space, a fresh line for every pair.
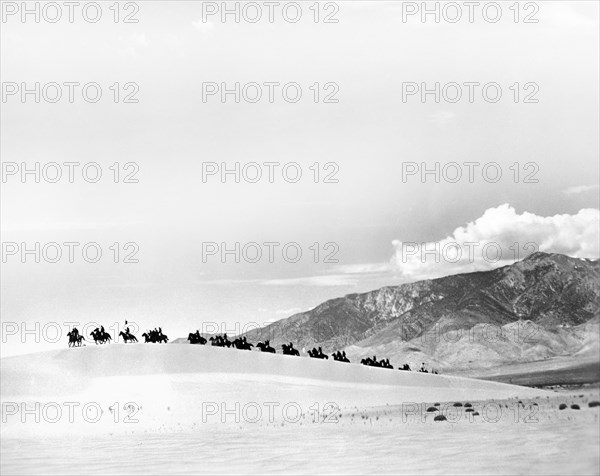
543,306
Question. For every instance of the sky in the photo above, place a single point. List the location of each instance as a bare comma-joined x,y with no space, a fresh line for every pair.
394,186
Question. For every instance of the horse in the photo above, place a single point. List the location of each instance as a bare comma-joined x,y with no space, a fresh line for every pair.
155,336
226,341
385,363
289,349
216,341
74,339
78,340
317,354
128,337
162,338
100,337
265,347
220,341
242,344
196,338
340,356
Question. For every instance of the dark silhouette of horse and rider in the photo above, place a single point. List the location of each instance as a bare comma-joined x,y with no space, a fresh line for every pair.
75,339
196,338
266,347
100,336
127,336
155,336
242,344
340,356
317,354
220,341
288,349
373,362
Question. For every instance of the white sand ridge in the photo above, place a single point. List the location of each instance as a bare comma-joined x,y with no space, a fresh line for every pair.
167,387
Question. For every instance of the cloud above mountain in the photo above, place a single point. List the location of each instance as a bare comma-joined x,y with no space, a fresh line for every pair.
499,237
579,189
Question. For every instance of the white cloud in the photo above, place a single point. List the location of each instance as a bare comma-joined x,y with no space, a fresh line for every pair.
499,237
227,282
578,189
288,312
363,268
326,280
284,312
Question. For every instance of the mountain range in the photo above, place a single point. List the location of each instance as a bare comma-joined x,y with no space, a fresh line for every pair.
546,305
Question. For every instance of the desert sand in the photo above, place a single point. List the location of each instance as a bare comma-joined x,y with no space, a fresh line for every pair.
174,409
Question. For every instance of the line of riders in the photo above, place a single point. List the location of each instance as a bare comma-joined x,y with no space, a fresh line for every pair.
288,349
156,335
100,336
385,363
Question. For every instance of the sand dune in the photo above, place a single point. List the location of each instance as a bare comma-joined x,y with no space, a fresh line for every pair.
73,370
173,409
173,385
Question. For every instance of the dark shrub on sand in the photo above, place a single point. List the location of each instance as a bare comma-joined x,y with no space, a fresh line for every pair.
594,404
468,410
439,418
432,409
436,404
468,405
562,406
457,404
575,407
